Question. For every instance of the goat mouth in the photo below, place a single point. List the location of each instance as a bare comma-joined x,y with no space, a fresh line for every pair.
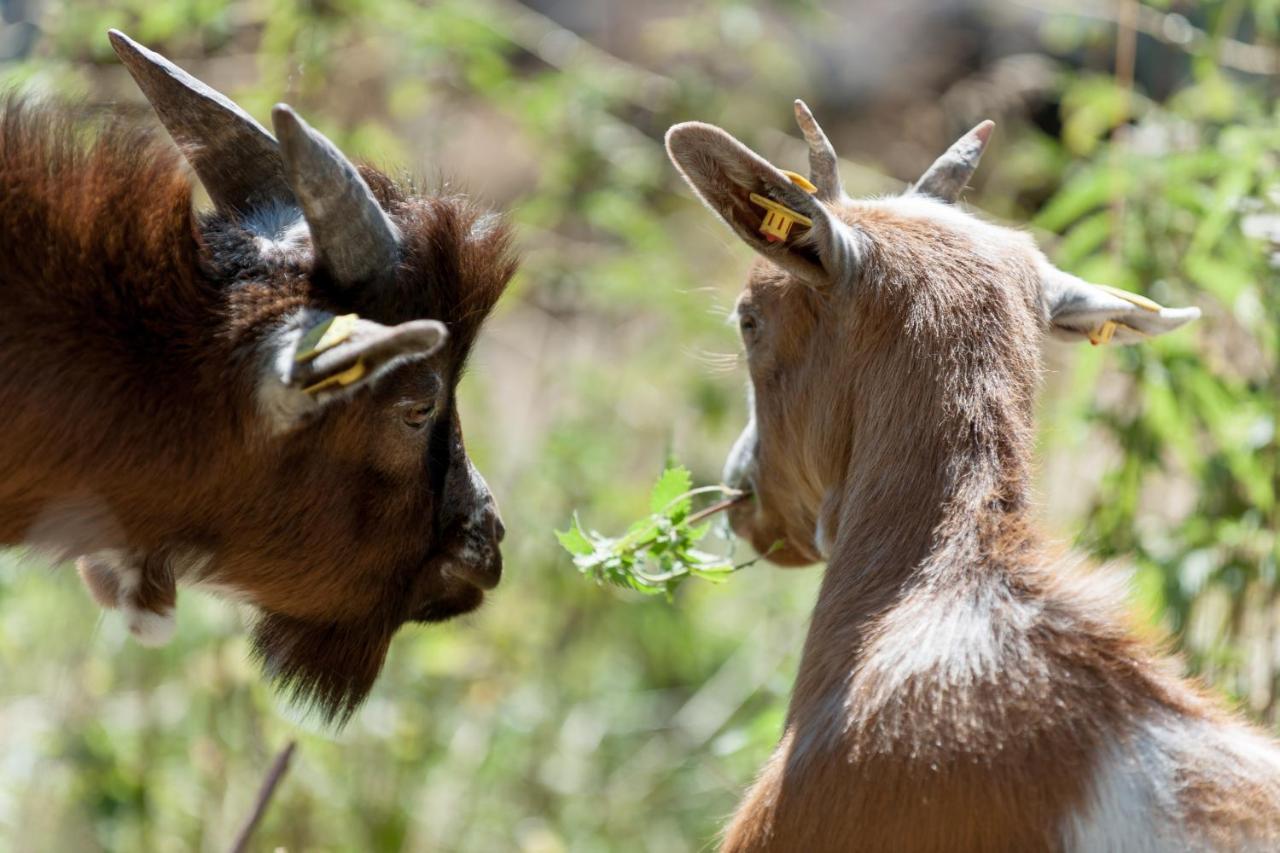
460,599
471,560
483,575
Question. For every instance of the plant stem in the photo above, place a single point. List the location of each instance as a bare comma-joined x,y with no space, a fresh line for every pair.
644,536
278,768
718,506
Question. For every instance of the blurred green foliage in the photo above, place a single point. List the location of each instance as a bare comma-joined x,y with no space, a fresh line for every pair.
568,716
1181,200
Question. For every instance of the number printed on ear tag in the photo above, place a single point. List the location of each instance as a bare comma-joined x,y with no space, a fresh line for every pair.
325,335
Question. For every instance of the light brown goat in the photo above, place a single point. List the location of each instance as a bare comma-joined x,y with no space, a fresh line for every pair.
961,687
258,399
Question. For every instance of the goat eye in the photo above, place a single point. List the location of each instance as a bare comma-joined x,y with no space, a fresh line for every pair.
417,416
748,325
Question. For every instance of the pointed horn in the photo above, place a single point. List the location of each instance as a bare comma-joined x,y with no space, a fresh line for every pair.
950,172
352,236
235,158
824,168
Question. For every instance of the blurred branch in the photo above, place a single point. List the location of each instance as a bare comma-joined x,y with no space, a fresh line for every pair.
565,50
1126,54
1169,28
278,768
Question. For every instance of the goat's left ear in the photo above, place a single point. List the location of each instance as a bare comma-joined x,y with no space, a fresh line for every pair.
316,358
1080,311
774,214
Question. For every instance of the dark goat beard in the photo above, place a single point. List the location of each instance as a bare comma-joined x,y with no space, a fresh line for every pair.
325,668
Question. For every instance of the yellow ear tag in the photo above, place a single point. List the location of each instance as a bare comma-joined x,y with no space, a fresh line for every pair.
346,377
325,336
1102,334
779,218
1133,298
800,180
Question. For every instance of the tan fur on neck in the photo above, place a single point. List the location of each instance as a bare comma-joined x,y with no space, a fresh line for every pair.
960,688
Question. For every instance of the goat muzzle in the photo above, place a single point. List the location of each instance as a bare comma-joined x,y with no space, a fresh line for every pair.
475,557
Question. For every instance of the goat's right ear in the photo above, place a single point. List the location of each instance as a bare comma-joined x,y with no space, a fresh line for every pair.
1080,311
745,190
317,357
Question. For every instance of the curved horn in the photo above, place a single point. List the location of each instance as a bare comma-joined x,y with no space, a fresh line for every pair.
824,168
352,236
950,172
235,158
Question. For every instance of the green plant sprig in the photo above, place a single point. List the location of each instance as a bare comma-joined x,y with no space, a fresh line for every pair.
657,553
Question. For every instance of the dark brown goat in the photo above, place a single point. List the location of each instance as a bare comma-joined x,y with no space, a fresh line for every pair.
259,399
962,686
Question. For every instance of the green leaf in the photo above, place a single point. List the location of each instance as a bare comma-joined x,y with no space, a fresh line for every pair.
1091,188
673,483
574,540
657,552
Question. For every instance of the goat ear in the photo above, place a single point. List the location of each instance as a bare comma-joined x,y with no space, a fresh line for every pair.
1080,311
746,191
318,357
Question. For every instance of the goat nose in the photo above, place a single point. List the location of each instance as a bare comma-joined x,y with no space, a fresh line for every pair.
477,558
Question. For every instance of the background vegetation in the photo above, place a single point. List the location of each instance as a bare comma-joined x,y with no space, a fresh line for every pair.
1140,140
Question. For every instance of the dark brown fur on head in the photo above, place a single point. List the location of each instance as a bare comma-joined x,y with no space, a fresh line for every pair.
132,350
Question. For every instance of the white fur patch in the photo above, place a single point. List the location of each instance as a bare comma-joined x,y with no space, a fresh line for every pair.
283,405
988,241
226,592
279,231
1136,798
958,644
189,565
484,225
822,539
147,627
1133,803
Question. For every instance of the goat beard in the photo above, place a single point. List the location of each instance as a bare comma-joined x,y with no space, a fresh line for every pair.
327,668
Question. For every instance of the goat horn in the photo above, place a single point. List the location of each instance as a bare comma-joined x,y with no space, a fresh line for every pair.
352,236
950,172
235,158
824,168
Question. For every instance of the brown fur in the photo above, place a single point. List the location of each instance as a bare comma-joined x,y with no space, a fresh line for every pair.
129,346
961,689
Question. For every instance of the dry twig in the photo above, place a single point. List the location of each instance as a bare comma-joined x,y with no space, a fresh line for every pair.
278,768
